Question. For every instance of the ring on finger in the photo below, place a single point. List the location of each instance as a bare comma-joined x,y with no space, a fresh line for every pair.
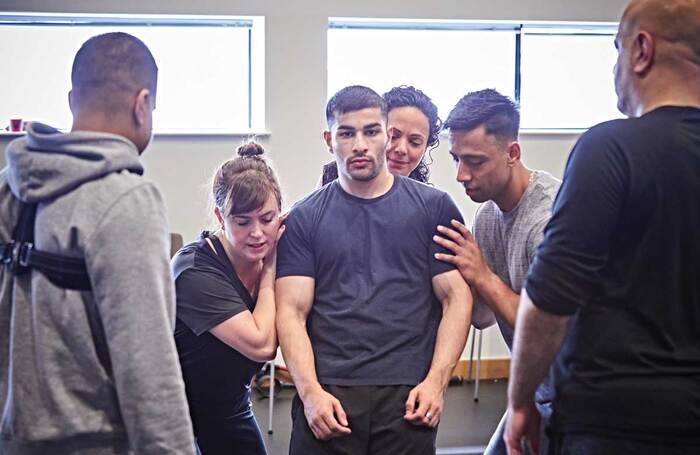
427,415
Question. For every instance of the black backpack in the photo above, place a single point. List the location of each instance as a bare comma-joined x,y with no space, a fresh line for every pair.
20,256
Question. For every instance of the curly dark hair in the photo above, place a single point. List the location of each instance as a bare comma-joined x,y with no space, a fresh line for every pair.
409,96
498,113
405,96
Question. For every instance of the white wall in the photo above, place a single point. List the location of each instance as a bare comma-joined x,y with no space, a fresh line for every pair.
296,93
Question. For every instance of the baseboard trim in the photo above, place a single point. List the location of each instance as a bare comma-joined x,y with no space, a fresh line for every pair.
492,368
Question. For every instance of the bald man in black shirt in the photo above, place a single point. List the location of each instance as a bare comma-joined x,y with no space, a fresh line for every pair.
621,257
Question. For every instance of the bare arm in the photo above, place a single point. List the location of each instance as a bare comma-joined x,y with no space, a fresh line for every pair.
323,411
296,297
253,334
468,259
499,297
456,299
537,341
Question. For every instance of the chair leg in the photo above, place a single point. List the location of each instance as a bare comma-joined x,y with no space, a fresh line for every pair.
478,367
272,396
472,330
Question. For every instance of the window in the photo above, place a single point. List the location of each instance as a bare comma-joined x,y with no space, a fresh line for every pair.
567,78
209,79
444,62
561,74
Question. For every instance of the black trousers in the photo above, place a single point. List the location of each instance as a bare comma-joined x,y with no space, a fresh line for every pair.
590,444
232,435
375,415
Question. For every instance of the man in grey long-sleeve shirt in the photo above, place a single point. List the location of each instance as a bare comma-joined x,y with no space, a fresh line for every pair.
56,396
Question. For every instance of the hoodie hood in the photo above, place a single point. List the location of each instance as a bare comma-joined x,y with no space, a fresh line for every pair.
47,163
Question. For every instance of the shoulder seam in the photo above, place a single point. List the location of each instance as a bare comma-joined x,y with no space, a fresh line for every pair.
116,201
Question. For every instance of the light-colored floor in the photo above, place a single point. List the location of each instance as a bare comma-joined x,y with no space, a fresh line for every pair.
465,428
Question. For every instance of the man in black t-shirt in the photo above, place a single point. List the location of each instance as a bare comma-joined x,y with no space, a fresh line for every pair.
371,325
621,258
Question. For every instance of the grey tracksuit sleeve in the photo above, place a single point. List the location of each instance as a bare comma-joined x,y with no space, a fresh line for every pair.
127,259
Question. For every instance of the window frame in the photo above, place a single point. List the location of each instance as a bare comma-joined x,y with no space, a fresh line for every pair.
256,120
519,28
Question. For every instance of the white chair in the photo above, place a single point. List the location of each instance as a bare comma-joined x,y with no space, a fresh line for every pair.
480,334
272,396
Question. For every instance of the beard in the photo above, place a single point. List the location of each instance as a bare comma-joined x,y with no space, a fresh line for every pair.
365,173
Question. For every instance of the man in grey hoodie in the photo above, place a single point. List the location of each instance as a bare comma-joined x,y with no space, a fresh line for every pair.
56,396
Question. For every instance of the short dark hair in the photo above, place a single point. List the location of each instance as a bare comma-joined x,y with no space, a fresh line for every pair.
409,96
111,65
498,113
353,98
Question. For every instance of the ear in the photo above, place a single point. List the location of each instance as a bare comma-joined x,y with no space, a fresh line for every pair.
329,141
142,106
70,101
643,50
513,153
220,218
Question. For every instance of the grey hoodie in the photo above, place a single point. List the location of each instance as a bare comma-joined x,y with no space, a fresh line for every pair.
55,396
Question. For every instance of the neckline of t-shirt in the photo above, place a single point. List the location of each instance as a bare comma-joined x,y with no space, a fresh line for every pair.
373,200
225,262
530,188
218,249
674,109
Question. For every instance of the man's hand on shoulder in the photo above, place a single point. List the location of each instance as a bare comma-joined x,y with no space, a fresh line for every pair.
425,403
466,254
325,415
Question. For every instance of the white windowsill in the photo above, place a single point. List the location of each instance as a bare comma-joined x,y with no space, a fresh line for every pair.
552,131
176,133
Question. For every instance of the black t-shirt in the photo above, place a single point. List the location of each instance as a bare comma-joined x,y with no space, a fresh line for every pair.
622,254
374,317
217,377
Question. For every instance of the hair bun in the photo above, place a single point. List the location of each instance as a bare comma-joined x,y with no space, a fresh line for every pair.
251,149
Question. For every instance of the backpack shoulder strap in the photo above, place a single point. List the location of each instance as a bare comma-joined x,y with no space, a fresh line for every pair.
20,256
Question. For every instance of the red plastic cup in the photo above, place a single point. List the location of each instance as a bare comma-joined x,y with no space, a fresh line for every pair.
16,124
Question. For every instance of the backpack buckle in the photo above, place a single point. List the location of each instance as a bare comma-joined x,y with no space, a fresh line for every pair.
23,252
15,255
7,252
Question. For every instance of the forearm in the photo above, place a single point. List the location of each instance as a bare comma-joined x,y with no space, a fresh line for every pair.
499,297
264,313
451,338
537,341
297,351
264,317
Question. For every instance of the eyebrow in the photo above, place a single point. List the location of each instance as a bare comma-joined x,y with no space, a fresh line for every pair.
364,127
269,212
345,128
472,155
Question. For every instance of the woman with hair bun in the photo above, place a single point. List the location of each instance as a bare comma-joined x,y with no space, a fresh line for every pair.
413,128
225,283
